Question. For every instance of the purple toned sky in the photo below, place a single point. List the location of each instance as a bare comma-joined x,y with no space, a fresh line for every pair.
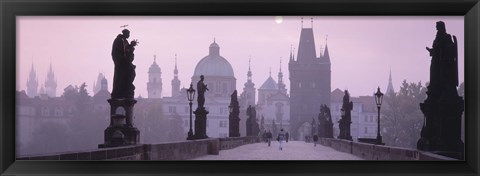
362,49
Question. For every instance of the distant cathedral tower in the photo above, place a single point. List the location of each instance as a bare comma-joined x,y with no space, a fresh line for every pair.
32,83
310,82
175,81
249,89
97,86
154,85
390,85
104,84
51,83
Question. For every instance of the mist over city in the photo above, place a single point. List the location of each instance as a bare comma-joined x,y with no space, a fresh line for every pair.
289,73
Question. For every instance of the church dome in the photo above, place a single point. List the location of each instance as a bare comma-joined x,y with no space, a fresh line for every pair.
214,64
154,68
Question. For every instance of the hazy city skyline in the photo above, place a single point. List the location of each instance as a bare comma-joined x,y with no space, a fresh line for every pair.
362,49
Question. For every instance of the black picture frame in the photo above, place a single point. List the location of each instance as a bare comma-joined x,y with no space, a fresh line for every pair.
9,9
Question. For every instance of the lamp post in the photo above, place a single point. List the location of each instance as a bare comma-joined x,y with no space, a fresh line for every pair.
190,97
378,101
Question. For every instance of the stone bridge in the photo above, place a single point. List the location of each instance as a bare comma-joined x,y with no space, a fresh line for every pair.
246,148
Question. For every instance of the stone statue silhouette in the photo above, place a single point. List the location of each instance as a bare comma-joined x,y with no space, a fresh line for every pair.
444,64
202,88
233,98
443,108
124,72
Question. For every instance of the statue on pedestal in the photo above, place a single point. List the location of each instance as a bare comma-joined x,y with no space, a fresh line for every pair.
346,120
121,131
252,126
201,112
443,108
234,119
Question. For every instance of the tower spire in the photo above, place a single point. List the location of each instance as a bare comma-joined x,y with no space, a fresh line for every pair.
280,64
175,81
311,21
249,73
302,22
390,84
281,85
175,71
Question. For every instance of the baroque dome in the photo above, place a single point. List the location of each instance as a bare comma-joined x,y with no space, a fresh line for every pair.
213,64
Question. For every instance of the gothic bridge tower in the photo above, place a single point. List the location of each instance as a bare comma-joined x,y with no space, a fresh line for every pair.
310,83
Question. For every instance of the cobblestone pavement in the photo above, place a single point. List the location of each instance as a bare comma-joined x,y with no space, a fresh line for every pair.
293,150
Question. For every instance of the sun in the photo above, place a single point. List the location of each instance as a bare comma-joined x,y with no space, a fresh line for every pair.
278,19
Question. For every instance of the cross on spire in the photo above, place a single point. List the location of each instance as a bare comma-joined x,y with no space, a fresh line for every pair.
124,26
154,58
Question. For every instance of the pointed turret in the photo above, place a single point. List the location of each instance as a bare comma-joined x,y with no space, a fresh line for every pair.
175,81
51,83
249,89
32,83
390,85
281,85
326,55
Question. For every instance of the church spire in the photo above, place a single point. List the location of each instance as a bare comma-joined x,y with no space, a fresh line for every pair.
281,85
175,71
32,83
51,83
326,55
175,80
390,84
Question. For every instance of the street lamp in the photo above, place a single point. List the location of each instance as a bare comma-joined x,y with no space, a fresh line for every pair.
190,97
378,101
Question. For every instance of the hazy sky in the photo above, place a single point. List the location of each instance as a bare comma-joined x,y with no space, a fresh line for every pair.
362,49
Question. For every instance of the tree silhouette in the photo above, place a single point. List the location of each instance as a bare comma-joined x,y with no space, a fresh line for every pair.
402,118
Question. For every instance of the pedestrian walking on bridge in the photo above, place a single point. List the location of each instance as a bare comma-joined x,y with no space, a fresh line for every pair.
269,137
281,139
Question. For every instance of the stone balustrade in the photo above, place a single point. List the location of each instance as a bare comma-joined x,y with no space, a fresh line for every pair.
379,152
181,150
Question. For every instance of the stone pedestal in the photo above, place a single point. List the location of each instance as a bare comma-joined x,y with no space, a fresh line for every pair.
121,131
344,126
200,123
234,128
441,133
